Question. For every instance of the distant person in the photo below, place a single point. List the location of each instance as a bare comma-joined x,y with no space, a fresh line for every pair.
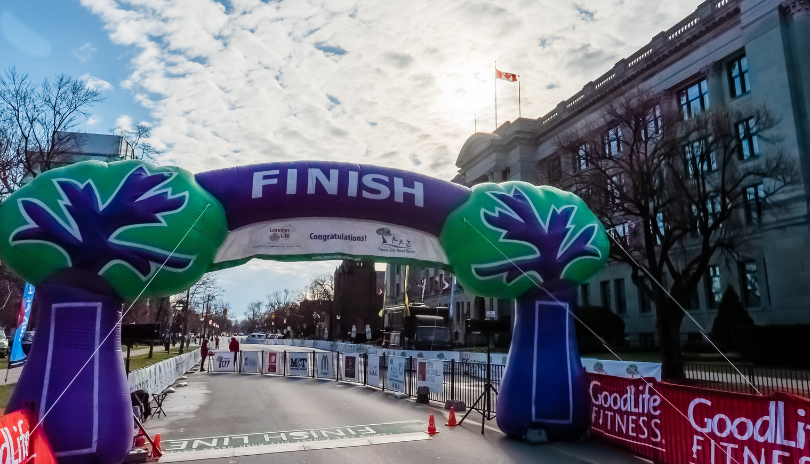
167,339
216,342
174,340
204,351
234,347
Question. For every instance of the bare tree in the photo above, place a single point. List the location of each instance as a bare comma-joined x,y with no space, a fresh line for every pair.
254,315
43,117
322,287
677,193
136,137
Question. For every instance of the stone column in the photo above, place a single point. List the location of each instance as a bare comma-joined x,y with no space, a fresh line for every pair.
799,10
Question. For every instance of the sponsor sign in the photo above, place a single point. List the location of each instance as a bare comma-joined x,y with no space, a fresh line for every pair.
351,367
224,361
19,445
324,365
430,373
17,356
627,370
272,362
298,364
250,362
672,424
373,370
329,238
396,374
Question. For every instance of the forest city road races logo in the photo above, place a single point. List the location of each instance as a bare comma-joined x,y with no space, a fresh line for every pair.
598,367
86,231
554,243
394,243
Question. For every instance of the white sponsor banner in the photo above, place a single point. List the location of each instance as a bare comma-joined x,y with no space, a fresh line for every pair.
396,374
273,362
625,369
329,236
224,361
430,373
351,367
160,376
324,365
250,362
373,370
298,364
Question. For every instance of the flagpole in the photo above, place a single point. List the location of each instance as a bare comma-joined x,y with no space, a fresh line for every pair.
496,95
518,96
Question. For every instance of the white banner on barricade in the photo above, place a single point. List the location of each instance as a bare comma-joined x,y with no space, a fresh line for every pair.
250,362
430,373
272,362
160,376
298,364
224,361
627,370
351,367
373,370
396,374
324,365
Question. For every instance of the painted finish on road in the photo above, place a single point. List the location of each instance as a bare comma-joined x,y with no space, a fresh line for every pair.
292,440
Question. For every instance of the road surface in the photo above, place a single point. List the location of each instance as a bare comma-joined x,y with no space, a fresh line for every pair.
251,418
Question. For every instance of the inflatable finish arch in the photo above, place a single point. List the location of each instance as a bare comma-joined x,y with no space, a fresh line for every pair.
93,235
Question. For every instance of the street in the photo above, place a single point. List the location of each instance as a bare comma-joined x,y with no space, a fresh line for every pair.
232,418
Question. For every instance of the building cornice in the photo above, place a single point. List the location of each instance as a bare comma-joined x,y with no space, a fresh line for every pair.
797,8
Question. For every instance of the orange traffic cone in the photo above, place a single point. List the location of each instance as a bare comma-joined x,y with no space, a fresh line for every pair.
451,421
431,425
157,443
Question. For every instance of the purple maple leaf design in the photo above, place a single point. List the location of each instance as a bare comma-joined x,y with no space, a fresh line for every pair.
88,238
555,244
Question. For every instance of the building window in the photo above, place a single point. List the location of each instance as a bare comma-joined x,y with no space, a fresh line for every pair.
654,124
644,299
749,143
586,294
698,161
750,283
621,298
468,310
621,233
616,188
694,99
714,291
606,301
613,141
505,174
554,169
754,197
581,162
738,76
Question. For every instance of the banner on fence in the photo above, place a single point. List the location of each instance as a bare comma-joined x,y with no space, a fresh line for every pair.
298,364
672,424
430,373
224,361
627,370
160,376
396,374
250,362
351,367
271,362
19,445
324,365
373,370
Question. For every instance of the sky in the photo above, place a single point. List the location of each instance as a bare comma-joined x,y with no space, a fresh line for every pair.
393,83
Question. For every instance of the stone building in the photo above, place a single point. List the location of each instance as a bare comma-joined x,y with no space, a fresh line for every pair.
728,52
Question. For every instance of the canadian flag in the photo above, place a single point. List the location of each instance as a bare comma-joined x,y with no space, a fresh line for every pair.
505,76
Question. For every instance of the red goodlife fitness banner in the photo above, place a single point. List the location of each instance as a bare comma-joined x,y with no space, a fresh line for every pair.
18,445
672,424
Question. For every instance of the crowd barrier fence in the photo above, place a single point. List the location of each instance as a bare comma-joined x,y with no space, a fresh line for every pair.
160,376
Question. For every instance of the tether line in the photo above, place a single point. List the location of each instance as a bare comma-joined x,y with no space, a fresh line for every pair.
120,319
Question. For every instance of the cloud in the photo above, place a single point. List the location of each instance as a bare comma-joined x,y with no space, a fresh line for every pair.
85,52
124,122
363,80
93,120
22,37
95,83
